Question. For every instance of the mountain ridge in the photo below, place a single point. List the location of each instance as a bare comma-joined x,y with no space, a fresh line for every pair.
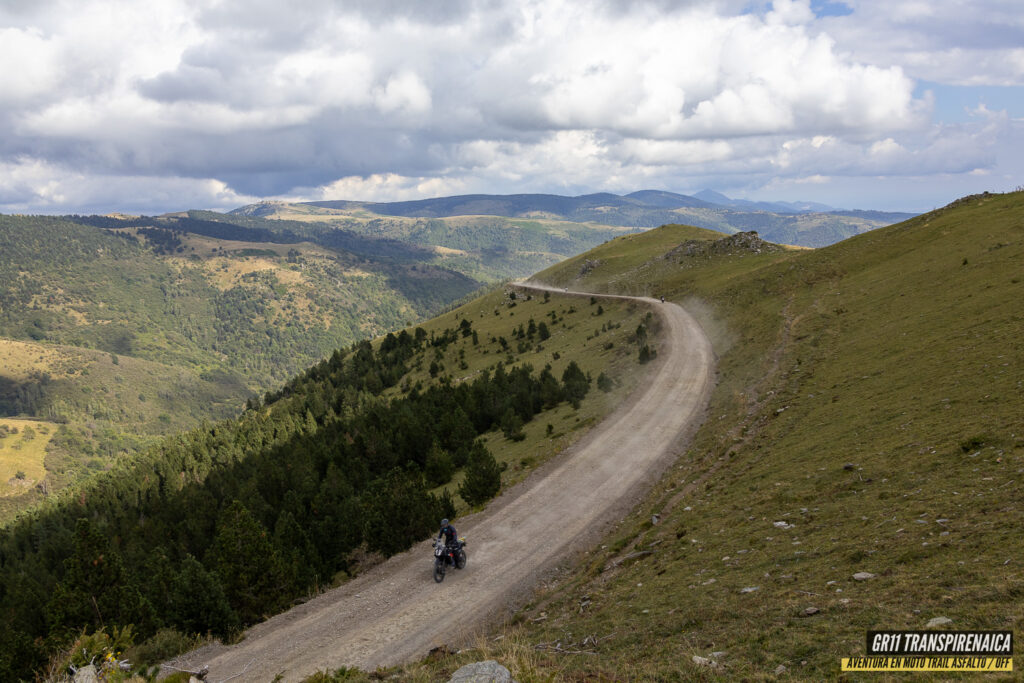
800,223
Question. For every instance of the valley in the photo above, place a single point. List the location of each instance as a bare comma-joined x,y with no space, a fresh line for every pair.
124,334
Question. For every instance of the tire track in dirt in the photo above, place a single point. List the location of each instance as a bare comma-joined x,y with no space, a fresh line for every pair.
395,612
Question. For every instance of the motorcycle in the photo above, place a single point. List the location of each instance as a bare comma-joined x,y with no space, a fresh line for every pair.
445,555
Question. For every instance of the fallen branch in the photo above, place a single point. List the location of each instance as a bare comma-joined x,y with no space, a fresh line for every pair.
556,645
631,556
548,647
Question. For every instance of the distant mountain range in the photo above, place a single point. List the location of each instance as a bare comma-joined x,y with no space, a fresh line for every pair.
808,224
518,204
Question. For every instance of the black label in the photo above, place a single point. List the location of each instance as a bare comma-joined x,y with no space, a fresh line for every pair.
981,643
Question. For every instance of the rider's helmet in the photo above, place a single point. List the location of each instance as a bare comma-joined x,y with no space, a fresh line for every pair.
444,522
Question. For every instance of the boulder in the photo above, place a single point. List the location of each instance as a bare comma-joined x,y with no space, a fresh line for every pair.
482,672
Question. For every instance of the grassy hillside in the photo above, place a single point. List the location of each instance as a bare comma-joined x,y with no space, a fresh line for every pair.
22,450
868,418
123,332
599,337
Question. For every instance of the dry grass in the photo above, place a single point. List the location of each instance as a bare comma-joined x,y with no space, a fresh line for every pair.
22,451
19,360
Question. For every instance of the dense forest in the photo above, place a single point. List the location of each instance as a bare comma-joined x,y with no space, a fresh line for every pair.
221,526
122,330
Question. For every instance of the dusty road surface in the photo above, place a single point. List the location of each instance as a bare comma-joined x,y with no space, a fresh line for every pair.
395,612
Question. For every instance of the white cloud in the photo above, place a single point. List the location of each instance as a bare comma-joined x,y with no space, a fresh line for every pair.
383,187
955,42
36,186
385,100
404,92
29,65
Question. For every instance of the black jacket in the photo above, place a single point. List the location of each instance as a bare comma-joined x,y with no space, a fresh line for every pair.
449,534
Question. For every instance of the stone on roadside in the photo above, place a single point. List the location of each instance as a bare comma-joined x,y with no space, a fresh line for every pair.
938,621
704,661
780,669
482,672
863,576
810,612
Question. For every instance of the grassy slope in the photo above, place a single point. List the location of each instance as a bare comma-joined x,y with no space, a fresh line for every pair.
598,343
22,453
870,396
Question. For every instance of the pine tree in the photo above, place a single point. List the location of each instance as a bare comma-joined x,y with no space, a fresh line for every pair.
439,468
575,384
483,476
247,565
551,393
398,512
299,559
97,589
197,603
512,425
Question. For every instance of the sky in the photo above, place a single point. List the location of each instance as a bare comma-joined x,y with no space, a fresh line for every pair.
173,104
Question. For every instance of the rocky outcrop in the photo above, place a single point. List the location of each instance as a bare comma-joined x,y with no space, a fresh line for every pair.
589,265
740,243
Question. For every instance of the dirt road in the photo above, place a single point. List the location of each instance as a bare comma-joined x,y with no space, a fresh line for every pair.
395,612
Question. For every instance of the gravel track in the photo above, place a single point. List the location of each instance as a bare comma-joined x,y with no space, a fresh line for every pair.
395,612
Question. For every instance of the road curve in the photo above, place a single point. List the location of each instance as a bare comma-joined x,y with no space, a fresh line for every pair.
395,612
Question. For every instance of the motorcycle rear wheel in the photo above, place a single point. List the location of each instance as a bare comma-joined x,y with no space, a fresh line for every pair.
438,570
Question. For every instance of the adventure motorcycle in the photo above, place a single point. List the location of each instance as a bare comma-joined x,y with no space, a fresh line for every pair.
445,555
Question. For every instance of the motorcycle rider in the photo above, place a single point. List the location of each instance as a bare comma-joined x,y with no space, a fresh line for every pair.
449,533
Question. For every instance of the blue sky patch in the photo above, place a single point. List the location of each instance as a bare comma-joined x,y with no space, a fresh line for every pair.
954,103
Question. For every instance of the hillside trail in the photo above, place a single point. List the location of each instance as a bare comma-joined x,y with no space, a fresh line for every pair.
395,612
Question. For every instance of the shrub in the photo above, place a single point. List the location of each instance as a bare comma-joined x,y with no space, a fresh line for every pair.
163,645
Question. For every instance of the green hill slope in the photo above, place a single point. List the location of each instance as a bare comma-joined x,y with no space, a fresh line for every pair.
123,332
868,418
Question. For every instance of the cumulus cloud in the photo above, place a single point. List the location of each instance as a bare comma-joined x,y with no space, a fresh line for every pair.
390,100
34,186
956,42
